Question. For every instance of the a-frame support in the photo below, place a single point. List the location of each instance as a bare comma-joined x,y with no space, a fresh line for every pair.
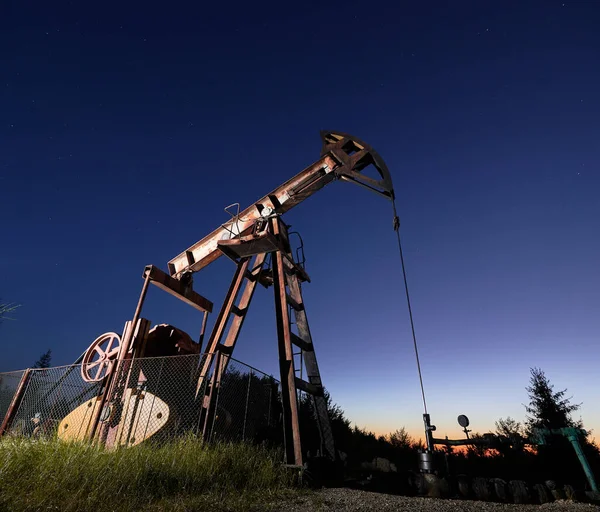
285,276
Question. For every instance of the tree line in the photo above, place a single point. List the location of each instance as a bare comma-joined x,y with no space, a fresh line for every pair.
547,409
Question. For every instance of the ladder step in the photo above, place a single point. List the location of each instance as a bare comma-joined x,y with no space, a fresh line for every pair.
250,276
309,388
237,311
301,343
266,278
295,305
293,269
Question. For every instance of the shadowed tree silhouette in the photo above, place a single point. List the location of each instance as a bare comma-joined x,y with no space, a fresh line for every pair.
44,360
509,427
548,408
401,439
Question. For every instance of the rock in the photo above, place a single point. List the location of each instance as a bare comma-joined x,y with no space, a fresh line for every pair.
570,492
518,491
500,490
434,486
593,496
463,487
481,488
381,464
367,466
542,493
555,490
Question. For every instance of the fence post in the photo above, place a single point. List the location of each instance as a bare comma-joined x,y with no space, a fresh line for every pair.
246,409
271,385
15,402
211,414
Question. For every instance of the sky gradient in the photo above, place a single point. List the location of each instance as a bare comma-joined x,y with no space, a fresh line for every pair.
126,128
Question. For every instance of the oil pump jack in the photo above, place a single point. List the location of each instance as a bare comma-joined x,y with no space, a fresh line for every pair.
250,239
247,239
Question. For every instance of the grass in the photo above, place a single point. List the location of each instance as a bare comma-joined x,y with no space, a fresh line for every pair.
182,475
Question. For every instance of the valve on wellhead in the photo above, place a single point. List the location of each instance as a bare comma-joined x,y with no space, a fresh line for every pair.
426,461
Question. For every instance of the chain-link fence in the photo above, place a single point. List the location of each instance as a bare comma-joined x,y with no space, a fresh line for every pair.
150,400
247,405
50,395
9,382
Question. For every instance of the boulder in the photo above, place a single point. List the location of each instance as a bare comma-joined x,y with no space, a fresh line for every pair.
518,491
433,486
500,490
570,493
383,465
482,488
463,486
555,490
542,494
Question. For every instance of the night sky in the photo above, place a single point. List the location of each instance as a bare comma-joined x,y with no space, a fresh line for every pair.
126,128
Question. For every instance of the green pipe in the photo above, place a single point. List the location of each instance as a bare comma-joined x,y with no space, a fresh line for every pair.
583,460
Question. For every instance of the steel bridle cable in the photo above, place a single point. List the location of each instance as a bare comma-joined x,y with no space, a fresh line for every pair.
410,314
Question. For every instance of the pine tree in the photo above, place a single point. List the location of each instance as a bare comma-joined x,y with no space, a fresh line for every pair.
547,408
44,360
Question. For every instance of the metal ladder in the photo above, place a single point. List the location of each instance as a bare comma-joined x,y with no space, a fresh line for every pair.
287,277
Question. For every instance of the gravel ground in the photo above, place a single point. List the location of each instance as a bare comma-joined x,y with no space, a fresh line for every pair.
339,500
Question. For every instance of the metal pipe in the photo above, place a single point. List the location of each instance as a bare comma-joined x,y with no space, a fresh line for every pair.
202,331
125,342
214,397
246,409
584,462
428,435
140,303
16,401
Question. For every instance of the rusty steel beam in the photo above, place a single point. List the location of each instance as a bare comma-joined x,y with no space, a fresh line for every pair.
202,331
177,289
129,333
280,200
15,402
342,157
222,351
222,318
210,402
107,385
291,423
314,386
238,320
